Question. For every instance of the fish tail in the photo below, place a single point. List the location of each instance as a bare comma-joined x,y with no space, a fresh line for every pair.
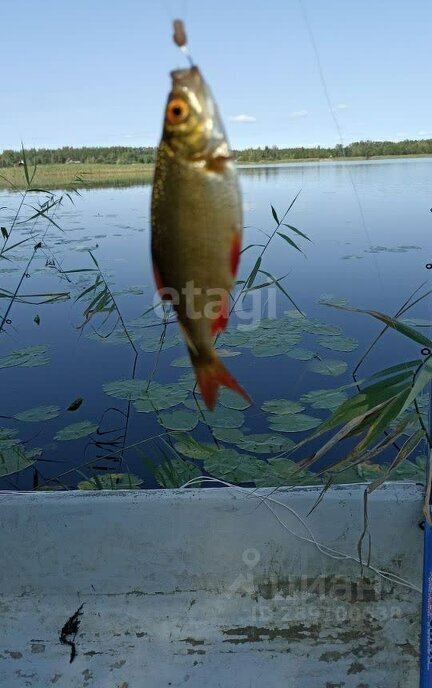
212,374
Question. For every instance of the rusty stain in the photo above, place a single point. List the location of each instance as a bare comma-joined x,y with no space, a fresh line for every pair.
14,654
333,655
118,665
408,649
191,651
192,641
37,648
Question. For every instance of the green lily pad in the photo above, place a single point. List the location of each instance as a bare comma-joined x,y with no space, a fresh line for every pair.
229,465
178,420
289,474
317,327
324,398
16,458
231,435
160,397
327,366
188,382
155,343
126,389
293,422
223,418
8,438
38,414
264,443
282,407
193,449
29,357
182,362
300,354
76,431
338,343
232,400
331,300
111,481
411,470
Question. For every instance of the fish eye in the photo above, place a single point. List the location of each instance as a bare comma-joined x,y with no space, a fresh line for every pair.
177,111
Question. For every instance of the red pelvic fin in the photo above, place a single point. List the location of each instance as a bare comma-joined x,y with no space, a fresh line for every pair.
235,252
165,296
211,376
221,320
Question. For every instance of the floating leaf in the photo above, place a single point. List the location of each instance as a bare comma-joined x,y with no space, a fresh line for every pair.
264,443
178,420
111,481
293,422
232,435
182,362
324,398
75,404
156,343
193,449
16,458
282,406
8,438
229,465
300,354
338,343
327,366
160,397
330,300
232,400
223,418
289,474
317,327
36,319
38,414
76,431
126,389
29,357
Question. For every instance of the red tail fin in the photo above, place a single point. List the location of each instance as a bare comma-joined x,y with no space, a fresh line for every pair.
211,375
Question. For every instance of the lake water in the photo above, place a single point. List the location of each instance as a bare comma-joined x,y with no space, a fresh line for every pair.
370,229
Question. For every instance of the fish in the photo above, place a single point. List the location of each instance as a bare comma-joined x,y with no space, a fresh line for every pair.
197,224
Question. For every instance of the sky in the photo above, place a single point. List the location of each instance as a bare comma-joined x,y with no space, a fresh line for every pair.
96,72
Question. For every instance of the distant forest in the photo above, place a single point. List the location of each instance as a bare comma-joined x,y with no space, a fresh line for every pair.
120,155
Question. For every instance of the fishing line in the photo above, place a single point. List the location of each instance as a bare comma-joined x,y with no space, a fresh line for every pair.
338,129
323,549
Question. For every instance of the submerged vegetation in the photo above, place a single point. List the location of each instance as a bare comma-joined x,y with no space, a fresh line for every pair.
330,434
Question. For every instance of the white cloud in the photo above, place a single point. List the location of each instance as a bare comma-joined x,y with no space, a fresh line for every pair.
242,118
422,133
340,106
297,114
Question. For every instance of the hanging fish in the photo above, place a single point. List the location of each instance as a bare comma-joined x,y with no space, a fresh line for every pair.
196,218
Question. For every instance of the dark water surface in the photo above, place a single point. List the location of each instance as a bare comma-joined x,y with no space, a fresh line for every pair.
370,229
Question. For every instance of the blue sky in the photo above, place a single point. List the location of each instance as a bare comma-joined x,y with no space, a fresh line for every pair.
95,72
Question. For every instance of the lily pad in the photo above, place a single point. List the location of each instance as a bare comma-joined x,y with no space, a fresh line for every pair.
8,438
76,431
38,414
176,472
223,418
293,422
327,366
111,481
16,458
232,400
338,343
300,354
29,357
324,398
265,443
155,343
178,420
331,300
160,397
182,362
289,474
231,435
282,407
193,449
318,327
229,465
126,389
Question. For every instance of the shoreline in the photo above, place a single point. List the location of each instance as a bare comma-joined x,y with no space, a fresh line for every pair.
98,175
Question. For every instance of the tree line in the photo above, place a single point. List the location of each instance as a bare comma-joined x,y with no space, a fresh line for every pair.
124,155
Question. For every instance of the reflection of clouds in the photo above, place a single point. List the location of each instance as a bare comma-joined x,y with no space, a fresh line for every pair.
298,114
248,205
242,118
